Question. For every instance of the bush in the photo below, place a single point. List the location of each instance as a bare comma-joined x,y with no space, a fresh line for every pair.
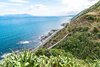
81,46
28,59
90,18
51,52
78,29
95,30
82,29
98,35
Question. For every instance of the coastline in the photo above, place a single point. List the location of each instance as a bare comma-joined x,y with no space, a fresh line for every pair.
52,32
63,23
36,48
52,35
47,37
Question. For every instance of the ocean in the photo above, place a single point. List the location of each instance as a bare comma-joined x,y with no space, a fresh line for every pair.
20,32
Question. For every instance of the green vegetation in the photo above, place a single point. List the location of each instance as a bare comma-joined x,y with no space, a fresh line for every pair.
81,48
29,59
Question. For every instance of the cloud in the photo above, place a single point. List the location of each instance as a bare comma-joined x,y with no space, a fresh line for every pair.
65,7
19,1
69,6
11,8
78,4
12,11
39,7
2,5
10,4
43,10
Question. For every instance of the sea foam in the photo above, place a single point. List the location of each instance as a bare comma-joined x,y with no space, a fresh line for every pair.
8,54
24,42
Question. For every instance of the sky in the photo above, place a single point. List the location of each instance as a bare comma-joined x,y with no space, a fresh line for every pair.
44,7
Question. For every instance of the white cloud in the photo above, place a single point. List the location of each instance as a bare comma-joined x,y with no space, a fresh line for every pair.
39,7
77,5
5,8
2,5
65,7
43,10
19,1
8,4
12,11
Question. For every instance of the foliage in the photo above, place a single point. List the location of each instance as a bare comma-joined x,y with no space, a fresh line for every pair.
95,30
79,45
51,52
28,59
90,18
98,35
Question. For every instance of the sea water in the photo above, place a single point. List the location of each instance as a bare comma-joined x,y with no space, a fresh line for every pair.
23,32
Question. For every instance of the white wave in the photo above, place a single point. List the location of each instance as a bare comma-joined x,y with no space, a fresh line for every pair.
8,54
24,42
5,55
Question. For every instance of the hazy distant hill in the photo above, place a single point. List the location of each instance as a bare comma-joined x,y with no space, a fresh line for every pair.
16,15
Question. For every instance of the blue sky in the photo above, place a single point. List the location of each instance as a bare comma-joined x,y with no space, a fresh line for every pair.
44,7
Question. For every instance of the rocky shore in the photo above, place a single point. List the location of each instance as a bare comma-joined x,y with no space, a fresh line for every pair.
44,37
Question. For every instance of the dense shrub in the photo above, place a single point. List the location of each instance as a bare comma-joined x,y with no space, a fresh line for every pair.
98,35
90,18
28,59
78,28
51,52
81,29
95,30
98,19
81,46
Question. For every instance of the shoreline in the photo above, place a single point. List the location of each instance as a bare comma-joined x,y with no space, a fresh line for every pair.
45,39
42,38
52,31
49,37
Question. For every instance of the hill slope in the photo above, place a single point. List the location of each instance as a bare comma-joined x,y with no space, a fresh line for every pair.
83,40
89,18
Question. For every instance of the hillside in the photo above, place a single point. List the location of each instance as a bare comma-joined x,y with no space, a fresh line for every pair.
83,35
89,18
76,45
